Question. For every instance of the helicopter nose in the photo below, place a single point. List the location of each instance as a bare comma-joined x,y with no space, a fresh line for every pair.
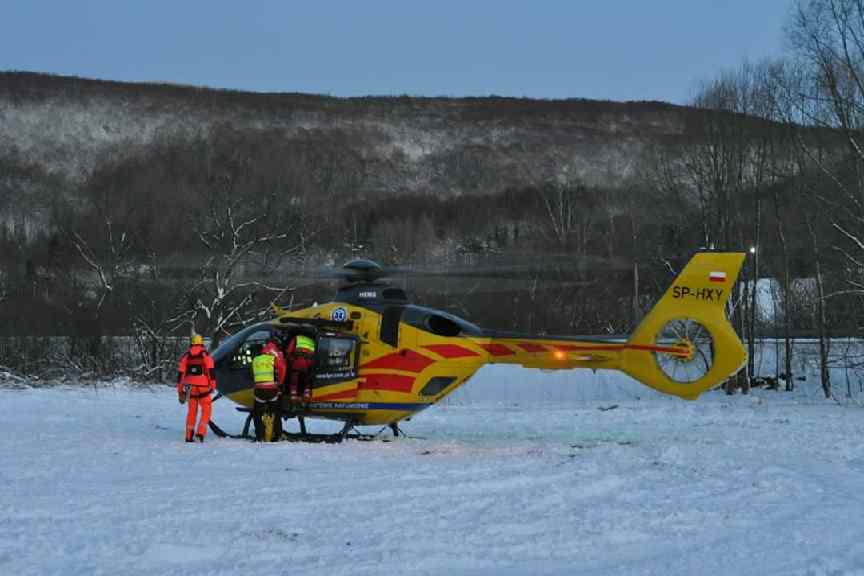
231,367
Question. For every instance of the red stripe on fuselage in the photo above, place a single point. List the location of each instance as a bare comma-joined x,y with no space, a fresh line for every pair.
406,360
531,347
615,347
344,395
657,348
497,349
451,350
392,382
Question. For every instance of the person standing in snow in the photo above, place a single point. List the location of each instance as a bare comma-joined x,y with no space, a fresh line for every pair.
268,373
195,382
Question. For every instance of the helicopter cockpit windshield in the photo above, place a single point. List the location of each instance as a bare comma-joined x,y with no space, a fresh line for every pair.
242,346
233,358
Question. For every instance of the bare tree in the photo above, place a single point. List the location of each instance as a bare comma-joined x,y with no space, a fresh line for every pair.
105,236
827,90
110,264
819,314
571,218
728,165
249,226
785,286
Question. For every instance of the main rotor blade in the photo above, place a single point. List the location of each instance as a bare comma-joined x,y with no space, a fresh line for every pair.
488,266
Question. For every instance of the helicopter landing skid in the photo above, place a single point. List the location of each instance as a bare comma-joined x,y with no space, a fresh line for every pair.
325,438
348,432
222,434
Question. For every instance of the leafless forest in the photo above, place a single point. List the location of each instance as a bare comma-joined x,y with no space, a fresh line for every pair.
137,213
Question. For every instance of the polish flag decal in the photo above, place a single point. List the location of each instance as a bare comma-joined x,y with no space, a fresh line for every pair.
717,276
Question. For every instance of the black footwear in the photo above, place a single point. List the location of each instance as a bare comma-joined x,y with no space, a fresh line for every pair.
200,438
189,440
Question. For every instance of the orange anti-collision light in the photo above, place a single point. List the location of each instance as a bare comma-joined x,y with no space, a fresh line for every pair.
559,354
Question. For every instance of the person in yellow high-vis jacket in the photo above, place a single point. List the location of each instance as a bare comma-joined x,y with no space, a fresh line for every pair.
301,357
268,373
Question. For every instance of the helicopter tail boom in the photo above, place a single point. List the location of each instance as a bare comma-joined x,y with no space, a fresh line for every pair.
694,346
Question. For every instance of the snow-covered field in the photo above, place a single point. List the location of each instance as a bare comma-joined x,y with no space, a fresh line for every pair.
99,481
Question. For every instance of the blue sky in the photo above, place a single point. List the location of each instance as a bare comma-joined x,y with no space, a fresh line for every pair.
610,49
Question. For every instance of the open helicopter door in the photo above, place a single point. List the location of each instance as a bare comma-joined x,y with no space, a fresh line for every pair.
336,366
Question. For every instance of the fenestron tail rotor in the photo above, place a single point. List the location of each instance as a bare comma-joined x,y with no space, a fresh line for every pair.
690,335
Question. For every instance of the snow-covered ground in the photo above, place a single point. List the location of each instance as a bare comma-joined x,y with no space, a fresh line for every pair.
99,481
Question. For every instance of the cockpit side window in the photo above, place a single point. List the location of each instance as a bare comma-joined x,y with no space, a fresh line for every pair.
438,322
442,326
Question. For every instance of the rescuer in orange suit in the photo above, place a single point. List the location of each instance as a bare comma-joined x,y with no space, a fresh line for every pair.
195,382
301,353
268,373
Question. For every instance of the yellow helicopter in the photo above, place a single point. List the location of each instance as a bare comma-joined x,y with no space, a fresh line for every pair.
381,359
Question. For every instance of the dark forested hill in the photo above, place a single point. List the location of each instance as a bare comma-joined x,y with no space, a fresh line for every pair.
62,131
119,198
367,160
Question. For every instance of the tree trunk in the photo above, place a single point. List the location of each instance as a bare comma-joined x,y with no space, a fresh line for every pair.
824,344
787,325
751,341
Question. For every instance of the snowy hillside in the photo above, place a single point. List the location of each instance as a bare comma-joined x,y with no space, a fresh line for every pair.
98,481
71,127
